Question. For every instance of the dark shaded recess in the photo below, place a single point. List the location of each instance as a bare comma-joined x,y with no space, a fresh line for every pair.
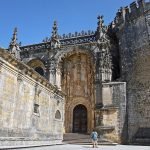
115,55
143,133
39,70
142,137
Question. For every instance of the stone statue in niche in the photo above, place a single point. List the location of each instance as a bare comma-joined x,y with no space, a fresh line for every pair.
97,120
71,88
68,83
83,72
79,88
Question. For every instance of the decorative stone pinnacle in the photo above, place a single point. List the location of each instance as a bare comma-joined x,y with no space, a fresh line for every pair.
100,21
101,30
54,31
55,43
14,38
14,46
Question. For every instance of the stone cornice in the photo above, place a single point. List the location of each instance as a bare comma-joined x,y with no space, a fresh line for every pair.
64,42
24,69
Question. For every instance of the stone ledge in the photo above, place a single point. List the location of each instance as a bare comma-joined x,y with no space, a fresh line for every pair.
9,144
109,107
26,139
26,146
105,128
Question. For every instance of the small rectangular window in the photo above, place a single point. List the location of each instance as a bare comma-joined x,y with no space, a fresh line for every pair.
36,108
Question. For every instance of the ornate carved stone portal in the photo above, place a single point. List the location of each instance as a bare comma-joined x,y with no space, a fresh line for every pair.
77,83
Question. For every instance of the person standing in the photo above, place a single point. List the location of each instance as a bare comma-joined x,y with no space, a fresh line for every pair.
94,137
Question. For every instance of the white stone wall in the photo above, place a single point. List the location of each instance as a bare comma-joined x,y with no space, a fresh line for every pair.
19,92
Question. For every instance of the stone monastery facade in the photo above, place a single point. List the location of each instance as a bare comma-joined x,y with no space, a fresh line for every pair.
76,82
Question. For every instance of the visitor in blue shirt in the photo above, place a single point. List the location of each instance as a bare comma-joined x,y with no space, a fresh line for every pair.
94,137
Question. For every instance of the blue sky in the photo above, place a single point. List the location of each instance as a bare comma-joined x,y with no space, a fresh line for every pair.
34,18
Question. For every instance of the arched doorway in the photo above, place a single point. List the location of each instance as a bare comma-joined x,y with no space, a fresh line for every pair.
80,119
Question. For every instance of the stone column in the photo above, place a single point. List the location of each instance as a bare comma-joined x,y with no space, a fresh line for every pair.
58,78
98,82
47,73
52,72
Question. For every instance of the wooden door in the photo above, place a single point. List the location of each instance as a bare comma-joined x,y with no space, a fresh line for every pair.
80,119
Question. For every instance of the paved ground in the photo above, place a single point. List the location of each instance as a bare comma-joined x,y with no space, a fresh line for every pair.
88,147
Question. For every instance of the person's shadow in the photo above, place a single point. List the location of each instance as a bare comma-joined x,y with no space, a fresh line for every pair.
89,146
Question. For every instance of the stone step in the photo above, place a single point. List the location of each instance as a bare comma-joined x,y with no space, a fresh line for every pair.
76,138
142,141
142,136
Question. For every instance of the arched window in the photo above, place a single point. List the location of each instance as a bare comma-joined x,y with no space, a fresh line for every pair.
39,70
57,115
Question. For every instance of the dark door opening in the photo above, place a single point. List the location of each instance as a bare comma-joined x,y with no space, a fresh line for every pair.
80,119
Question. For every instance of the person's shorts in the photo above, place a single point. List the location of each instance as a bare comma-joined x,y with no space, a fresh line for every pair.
94,140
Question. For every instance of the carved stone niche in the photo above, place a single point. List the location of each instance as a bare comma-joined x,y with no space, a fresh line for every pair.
19,79
37,94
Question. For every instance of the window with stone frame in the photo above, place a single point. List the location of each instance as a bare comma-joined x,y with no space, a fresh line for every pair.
57,115
36,109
